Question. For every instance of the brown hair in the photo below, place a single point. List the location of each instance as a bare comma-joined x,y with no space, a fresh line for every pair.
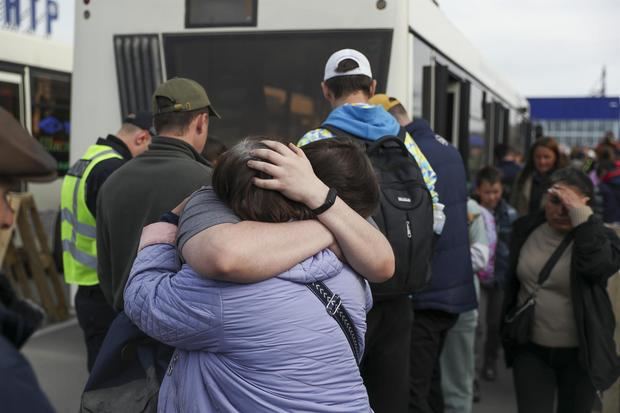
544,142
339,163
345,85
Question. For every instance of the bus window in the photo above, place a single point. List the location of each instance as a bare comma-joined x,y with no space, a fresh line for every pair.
10,94
268,83
217,13
50,94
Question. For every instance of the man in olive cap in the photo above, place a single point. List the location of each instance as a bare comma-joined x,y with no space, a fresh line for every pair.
138,193
21,157
80,189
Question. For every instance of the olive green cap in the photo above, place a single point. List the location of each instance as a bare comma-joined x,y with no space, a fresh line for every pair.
184,95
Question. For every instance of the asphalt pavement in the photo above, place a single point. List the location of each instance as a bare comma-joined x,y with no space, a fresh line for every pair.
58,356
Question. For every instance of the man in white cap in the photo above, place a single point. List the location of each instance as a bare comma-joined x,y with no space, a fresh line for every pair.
348,85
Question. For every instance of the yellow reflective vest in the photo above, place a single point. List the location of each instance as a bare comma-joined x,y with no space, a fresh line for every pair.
78,229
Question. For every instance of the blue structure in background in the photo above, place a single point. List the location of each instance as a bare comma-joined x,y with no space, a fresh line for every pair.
576,121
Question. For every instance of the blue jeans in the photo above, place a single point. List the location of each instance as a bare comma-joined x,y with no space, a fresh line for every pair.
458,364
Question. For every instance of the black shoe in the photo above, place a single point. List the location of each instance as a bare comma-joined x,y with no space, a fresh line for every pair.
489,373
476,391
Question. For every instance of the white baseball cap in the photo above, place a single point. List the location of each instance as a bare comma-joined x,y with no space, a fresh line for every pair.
335,59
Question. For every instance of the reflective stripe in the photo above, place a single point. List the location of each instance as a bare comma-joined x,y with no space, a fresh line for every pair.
76,188
78,169
82,229
79,256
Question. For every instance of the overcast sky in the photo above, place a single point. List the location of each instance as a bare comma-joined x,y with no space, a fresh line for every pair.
545,47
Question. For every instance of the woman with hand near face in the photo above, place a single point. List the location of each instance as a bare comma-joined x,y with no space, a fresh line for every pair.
543,159
569,351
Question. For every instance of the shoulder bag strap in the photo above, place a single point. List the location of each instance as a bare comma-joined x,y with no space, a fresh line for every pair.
335,308
546,270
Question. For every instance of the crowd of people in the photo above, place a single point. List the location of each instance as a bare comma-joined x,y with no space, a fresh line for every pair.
356,271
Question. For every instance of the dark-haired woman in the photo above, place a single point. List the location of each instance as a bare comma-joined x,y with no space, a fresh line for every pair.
531,184
568,353
268,346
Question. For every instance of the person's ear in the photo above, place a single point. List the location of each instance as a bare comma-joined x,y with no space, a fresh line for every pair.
203,122
142,138
373,88
326,93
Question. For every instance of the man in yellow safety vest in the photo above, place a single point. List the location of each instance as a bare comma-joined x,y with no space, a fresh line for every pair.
78,230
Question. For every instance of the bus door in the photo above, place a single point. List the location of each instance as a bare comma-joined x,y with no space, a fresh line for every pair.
446,105
496,126
11,95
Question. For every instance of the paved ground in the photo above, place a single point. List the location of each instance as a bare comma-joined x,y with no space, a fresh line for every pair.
58,357
498,396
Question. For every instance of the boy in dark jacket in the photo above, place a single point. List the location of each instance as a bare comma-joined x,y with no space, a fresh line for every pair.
488,192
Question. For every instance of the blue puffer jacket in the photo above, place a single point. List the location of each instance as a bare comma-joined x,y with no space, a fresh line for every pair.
263,347
452,283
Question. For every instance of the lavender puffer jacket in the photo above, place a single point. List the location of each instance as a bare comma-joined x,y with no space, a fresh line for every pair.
263,347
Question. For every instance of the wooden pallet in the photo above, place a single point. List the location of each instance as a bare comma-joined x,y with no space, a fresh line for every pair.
26,257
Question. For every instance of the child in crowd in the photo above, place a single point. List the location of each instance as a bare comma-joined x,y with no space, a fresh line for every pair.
488,192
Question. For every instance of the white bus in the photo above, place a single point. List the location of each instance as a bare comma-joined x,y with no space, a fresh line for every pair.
261,62
35,86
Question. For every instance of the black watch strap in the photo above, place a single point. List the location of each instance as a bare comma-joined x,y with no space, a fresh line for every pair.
329,201
169,217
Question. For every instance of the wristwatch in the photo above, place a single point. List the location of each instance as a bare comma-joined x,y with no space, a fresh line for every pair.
329,201
169,217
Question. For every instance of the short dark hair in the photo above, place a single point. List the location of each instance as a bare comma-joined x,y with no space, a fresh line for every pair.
488,174
344,85
177,122
337,162
574,177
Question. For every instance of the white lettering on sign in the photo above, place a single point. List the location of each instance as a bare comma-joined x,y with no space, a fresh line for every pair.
28,14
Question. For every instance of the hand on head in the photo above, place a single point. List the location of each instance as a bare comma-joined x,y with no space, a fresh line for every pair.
291,173
567,196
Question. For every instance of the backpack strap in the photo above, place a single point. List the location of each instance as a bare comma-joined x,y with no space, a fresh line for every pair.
335,308
402,133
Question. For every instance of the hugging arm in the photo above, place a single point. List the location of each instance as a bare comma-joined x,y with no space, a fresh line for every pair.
253,251
167,302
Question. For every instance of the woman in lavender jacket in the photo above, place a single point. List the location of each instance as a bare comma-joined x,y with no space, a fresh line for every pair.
268,346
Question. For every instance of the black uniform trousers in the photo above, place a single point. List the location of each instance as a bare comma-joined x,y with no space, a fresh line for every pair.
95,316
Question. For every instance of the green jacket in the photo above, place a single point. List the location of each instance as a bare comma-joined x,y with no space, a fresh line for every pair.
136,195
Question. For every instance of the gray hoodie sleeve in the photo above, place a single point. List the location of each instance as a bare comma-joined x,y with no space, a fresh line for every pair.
203,210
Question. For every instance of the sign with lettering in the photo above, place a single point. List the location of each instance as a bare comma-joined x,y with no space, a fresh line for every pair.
30,16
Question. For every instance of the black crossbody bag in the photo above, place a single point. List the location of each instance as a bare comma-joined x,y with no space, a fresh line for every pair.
518,321
335,308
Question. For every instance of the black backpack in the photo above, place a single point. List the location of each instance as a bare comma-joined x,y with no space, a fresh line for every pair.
405,214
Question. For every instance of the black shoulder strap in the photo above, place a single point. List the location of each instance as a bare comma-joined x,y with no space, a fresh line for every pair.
402,133
335,308
338,132
546,270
